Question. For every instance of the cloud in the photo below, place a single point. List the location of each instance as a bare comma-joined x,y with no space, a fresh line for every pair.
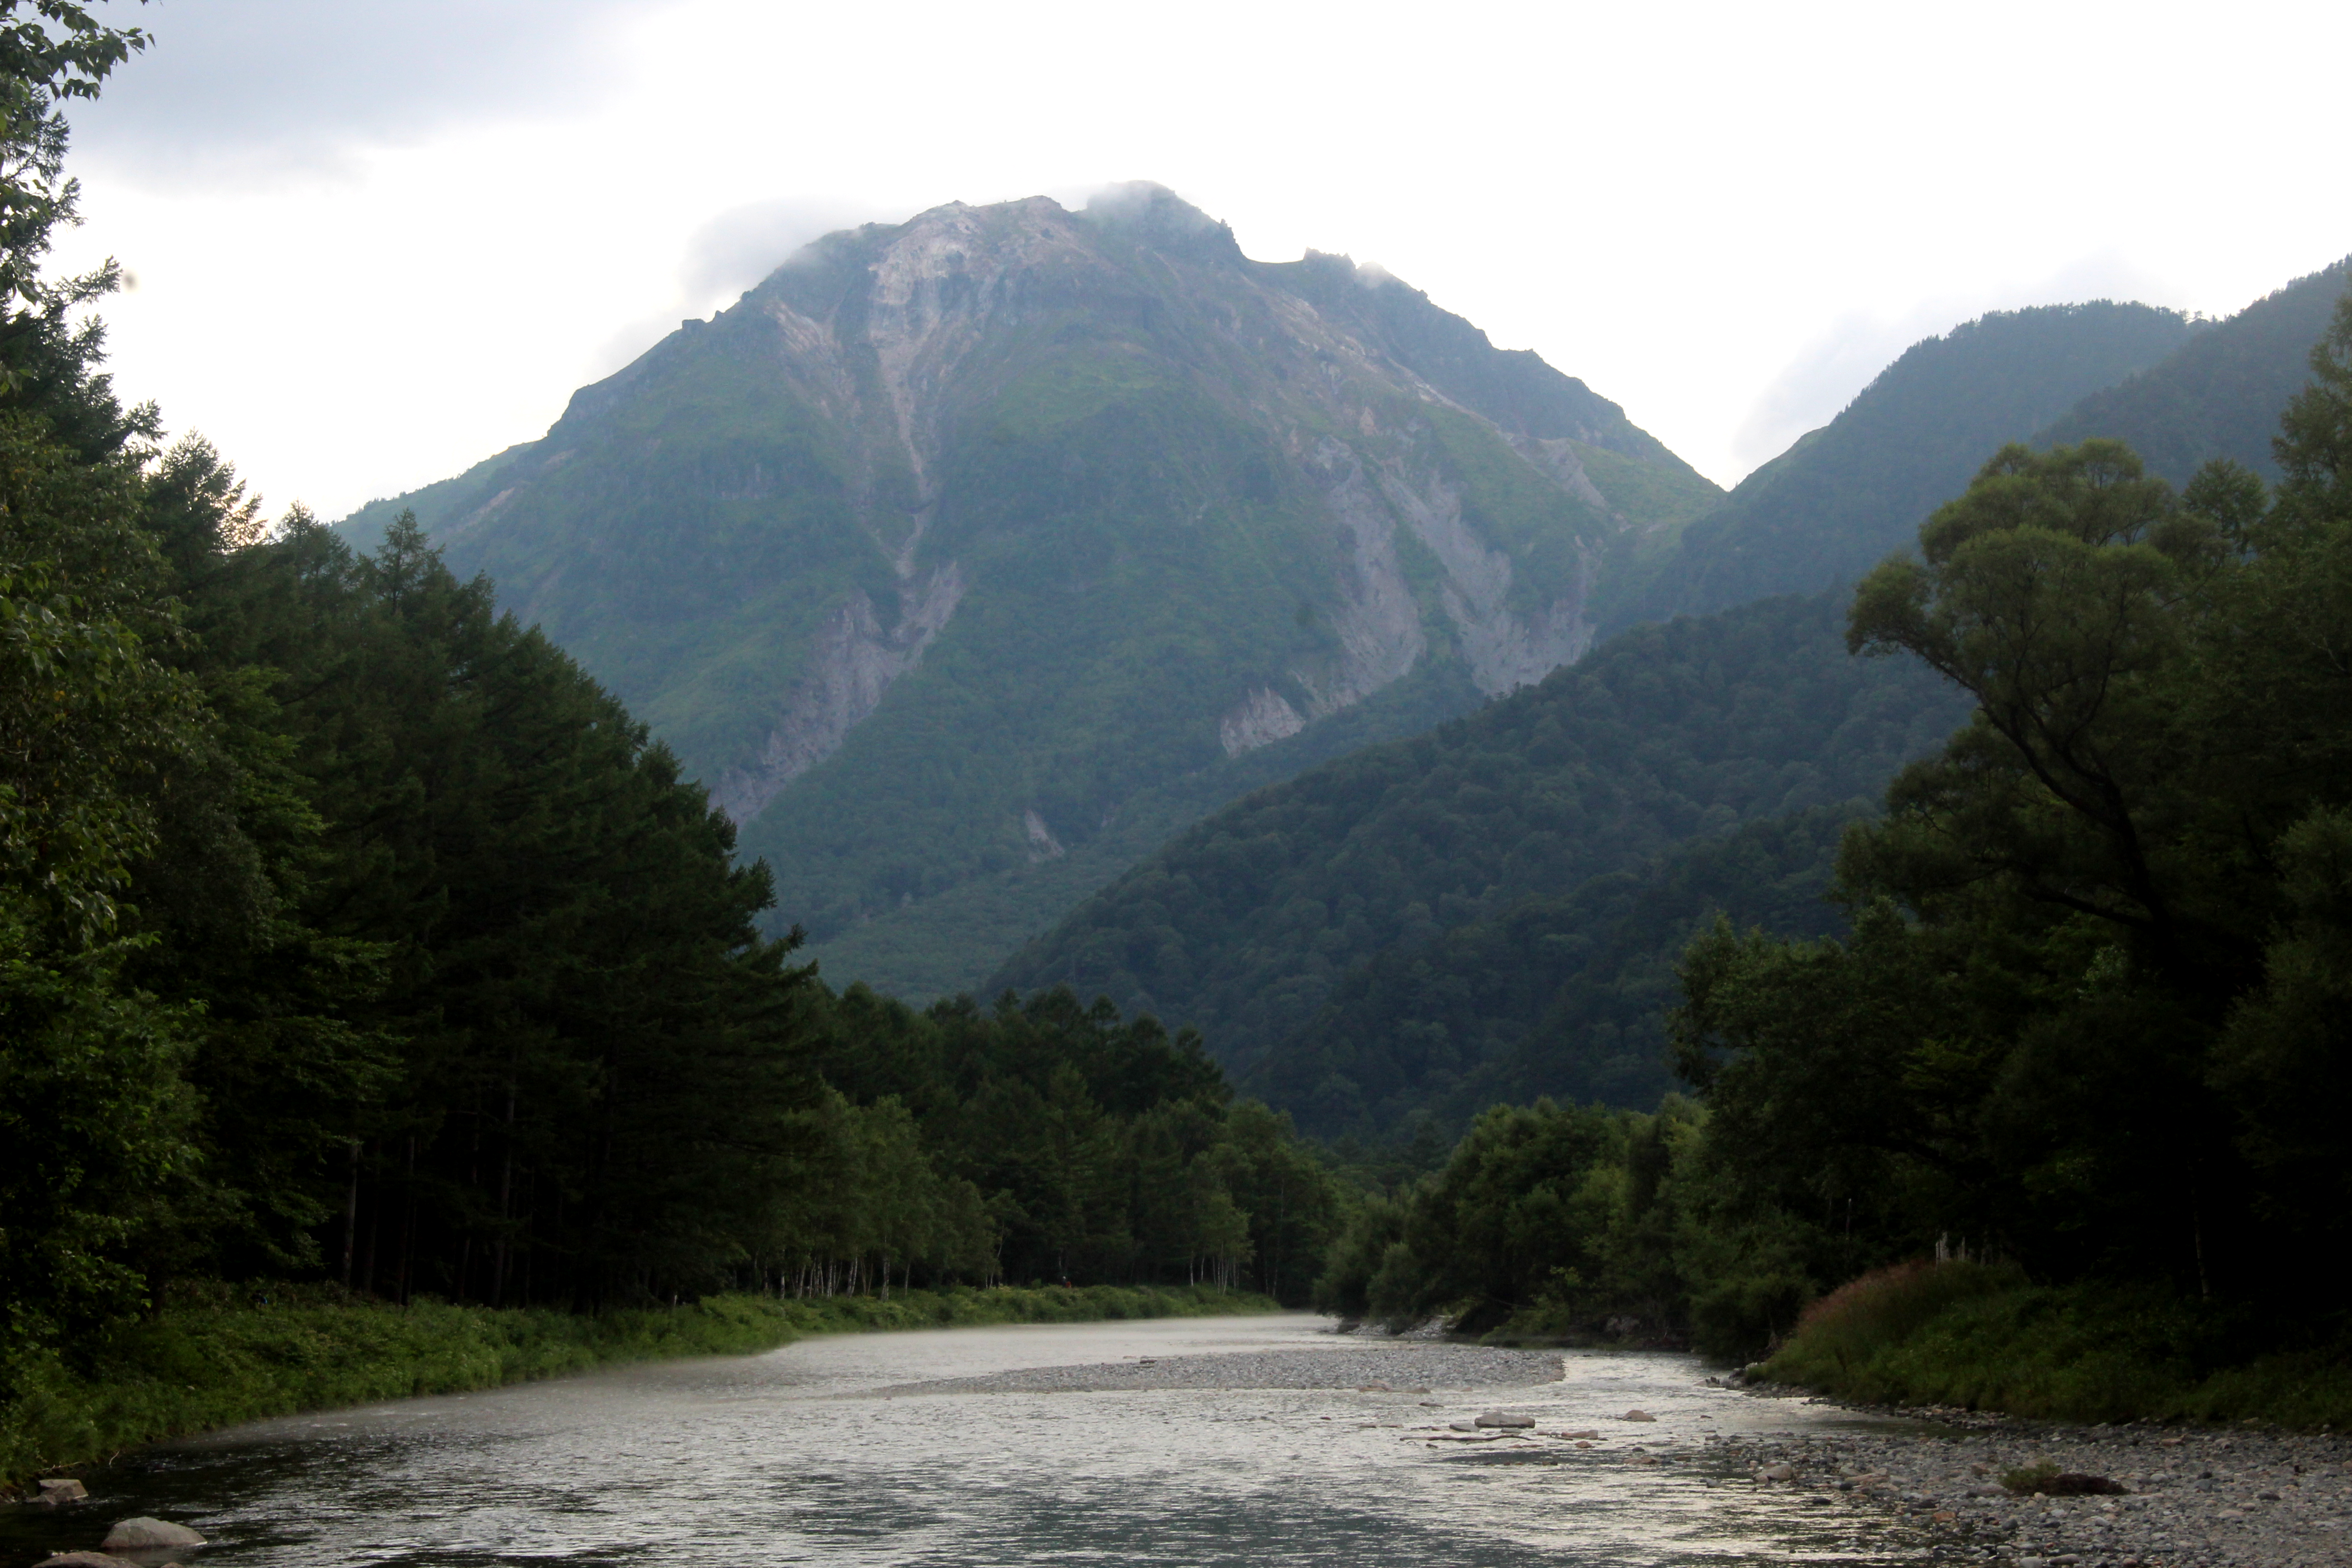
726,256
240,90
742,244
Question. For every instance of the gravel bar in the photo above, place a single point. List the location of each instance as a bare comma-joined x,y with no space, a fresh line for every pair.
1401,1367
2239,1498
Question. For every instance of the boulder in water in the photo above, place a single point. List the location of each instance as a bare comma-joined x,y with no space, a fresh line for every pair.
1637,1415
61,1488
1505,1418
143,1534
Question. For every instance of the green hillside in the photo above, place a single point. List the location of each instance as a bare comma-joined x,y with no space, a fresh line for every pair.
2221,394
1563,996
1845,496
1250,922
968,558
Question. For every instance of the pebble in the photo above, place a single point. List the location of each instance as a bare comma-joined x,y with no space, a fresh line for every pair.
2239,1498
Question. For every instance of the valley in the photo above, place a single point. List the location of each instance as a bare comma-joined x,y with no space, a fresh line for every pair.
1035,771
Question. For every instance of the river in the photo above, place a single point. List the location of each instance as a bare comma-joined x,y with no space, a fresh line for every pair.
1187,1441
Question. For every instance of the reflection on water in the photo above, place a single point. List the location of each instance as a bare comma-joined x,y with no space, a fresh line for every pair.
823,1453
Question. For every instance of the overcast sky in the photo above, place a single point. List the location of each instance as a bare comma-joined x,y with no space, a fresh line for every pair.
376,242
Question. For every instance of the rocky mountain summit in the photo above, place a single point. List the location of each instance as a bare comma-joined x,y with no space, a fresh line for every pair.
965,558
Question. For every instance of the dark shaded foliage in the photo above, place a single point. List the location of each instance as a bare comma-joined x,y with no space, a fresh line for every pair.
1246,926
1563,997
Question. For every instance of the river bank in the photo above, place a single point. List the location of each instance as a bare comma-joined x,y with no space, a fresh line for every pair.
1217,1440
214,1358
1209,1441
2211,1498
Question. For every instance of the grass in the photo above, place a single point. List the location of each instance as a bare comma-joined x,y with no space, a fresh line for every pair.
212,1358
1986,1338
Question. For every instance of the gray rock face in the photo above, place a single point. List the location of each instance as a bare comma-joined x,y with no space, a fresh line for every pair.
143,1534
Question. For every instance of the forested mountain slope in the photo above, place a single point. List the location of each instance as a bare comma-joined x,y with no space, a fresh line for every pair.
2221,394
1248,923
1845,496
1561,995
954,541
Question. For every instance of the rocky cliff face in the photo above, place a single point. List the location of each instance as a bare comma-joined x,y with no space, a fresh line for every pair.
952,536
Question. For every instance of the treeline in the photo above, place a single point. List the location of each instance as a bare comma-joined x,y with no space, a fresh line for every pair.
1062,1143
349,932
2093,1018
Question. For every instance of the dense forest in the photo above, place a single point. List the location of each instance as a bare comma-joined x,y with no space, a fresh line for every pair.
1563,996
350,933
1249,924
2088,1027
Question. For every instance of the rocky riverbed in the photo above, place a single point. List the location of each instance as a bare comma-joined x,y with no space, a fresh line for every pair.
2190,1499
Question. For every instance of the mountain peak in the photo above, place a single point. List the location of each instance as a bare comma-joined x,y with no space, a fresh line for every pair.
1153,214
957,544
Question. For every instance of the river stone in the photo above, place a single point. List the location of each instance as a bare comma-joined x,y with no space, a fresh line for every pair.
1778,1472
1637,1415
62,1489
84,1560
1505,1418
138,1534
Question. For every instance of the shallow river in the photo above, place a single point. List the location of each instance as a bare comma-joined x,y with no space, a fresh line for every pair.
1187,1441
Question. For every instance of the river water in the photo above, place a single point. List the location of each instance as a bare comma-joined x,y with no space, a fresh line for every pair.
1194,1441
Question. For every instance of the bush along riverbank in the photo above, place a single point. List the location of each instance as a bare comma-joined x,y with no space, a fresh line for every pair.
1983,1338
214,1358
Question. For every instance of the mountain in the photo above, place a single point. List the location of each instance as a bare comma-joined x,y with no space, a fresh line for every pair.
1250,922
1361,948
2221,394
1844,497
968,558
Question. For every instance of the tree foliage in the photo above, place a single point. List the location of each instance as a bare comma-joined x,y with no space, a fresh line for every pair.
2091,1017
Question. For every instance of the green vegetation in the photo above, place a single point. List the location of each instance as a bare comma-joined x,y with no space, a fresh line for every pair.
1564,997
927,949
1249,924
351,935
1842,497
2087,1028
1145,495
214,1358
2219,394
1968,1335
